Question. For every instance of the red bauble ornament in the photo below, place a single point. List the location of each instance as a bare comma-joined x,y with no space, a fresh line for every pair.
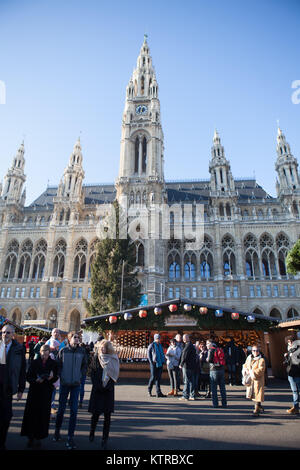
235,315
157,311
203,310
173,308
113,319
142,313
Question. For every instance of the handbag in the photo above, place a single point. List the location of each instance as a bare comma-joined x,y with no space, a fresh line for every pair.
246,379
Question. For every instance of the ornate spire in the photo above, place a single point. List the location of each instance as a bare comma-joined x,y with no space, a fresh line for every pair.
15,178
286,167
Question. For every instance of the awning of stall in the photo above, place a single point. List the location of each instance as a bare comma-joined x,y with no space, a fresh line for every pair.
36,330
7,321
164,315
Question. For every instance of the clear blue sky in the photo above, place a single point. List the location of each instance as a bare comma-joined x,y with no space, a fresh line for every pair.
224,64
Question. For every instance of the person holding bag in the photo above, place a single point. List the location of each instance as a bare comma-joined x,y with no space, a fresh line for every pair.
254,378
173,355
105,369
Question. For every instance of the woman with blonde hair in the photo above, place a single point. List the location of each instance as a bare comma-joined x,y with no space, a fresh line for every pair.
254,378
104,374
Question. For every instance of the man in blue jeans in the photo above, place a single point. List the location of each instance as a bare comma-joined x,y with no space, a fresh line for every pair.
156,359
293,370
188,364
216,373
72,362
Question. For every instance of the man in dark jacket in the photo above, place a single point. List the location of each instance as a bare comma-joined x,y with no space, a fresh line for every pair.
72,365
188,363
156,359
12,378
293,370
232,356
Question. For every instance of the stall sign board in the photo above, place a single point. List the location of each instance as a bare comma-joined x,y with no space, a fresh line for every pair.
180,320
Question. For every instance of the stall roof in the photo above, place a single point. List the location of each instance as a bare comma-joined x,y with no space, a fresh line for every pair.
41,328
179,300
5,321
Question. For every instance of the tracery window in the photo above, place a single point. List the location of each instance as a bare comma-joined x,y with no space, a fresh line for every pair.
59,259
39,260
283,246
140,254
11,260
80,260
251,256
174,266
206,259
190,267
228,247
267,256
25,260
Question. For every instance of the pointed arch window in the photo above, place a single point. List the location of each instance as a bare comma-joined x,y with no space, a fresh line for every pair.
59,259
11,260
140,255
283,246
25,260
39,260
80,261
174,266
229,265
136,155
144,155
142,85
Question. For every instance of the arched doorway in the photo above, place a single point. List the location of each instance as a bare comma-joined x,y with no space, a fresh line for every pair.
75,321
275,313
52,319
30,314
16,316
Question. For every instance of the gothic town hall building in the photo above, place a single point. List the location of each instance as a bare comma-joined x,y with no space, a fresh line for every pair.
47,248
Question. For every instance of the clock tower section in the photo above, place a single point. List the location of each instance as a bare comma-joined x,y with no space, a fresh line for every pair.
140,185
141,175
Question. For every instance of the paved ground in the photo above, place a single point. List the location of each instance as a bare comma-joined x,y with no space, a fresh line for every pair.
141,422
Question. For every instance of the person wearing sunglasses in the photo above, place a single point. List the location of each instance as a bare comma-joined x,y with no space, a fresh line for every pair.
12,377
255,366
72,365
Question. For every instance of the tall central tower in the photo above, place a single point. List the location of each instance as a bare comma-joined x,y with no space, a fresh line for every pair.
140,184
141,176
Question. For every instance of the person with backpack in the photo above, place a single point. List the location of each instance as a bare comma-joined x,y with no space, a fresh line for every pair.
216,360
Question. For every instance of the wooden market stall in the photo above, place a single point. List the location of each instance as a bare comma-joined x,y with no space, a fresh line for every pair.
133,330
278,347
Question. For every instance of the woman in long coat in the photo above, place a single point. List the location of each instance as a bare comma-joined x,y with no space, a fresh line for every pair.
104,373
41,375
255,366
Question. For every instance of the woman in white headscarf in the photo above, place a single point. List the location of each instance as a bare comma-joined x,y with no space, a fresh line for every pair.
255,367
104,374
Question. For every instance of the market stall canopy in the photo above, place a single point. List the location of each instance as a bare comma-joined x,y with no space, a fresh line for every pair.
6,321
190,312
36,329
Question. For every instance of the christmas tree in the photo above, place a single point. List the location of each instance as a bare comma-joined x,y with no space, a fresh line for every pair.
114,282
293,259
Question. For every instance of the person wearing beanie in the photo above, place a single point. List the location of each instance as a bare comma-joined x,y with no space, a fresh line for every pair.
156,359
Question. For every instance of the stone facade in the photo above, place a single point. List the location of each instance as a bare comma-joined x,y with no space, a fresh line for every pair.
46,249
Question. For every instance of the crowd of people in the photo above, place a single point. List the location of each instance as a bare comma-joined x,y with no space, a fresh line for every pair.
56,365
201,367
61,366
